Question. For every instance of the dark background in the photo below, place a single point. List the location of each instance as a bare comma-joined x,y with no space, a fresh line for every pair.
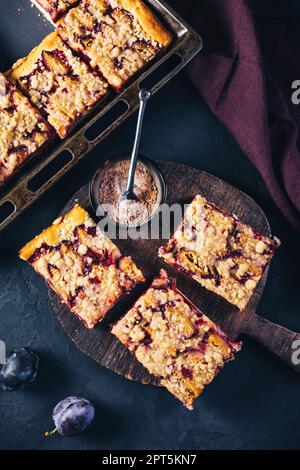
254,402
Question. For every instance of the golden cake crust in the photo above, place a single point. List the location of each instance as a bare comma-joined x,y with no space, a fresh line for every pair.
25,65
52,235
174,341
149,22
221,253
60,84
53,9
23,131
83,266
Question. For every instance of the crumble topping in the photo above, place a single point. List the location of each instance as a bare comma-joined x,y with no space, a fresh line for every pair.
221,253
175,341
54,8
113,185
112,35
22,129
82,265
59,83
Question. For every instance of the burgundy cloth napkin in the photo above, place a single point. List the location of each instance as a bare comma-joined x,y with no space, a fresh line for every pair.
245,74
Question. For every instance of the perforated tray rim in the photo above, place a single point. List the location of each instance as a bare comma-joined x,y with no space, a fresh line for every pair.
186,44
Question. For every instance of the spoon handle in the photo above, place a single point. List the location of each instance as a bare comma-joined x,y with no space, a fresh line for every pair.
144,97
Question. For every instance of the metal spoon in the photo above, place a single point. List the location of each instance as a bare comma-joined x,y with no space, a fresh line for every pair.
144,96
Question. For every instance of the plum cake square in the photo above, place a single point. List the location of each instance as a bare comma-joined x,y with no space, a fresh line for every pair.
82,265
221,253
60,84
23,131
174,341
53,9
117,37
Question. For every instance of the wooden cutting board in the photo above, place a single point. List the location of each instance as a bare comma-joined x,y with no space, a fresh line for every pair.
183,183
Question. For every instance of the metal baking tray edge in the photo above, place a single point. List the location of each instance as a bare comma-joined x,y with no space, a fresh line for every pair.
185,46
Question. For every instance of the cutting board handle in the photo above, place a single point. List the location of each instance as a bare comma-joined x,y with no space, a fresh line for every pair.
280,341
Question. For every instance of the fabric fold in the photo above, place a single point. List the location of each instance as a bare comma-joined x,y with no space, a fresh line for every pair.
245,75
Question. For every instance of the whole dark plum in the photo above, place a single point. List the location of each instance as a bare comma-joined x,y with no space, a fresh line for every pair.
19,370
72,416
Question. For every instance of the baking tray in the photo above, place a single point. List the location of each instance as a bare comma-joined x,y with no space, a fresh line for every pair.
43,171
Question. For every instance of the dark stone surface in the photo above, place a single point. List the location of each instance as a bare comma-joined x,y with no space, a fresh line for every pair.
254,401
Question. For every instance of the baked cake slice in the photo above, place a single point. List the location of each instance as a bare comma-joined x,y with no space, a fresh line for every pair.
23,131
174,341
82,265
117,37
53,9
221,253
60,84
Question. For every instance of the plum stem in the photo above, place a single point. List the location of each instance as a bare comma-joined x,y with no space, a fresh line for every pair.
48,434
